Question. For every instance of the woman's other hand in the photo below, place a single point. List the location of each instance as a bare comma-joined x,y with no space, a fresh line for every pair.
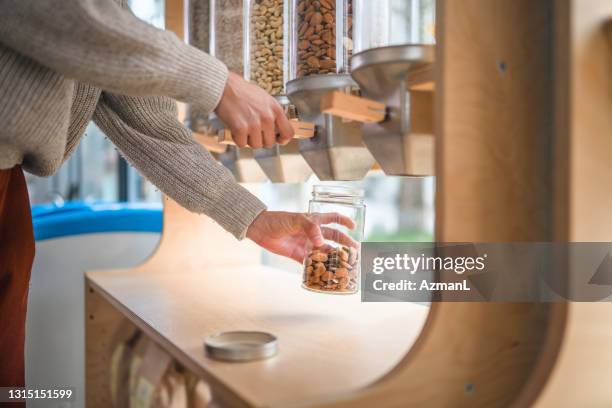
293,234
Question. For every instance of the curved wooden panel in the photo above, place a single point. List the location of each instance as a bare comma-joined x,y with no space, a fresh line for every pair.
583,373
494,127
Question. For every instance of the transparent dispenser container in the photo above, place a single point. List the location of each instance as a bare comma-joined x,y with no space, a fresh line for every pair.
198,28
335,267
227,33
198,24
322,37
267,44
393,22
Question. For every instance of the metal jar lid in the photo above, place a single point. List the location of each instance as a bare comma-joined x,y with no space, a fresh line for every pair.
240,345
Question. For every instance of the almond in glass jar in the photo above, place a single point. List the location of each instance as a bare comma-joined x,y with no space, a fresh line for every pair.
335,267
332,270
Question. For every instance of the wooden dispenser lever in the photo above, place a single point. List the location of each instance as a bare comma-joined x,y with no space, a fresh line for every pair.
353,107
303,130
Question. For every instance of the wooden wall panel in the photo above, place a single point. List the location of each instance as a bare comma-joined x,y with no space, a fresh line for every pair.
583,373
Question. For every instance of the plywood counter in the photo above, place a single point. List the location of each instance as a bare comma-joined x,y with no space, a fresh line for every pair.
328,344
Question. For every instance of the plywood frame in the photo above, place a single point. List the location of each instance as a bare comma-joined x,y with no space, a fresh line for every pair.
499,115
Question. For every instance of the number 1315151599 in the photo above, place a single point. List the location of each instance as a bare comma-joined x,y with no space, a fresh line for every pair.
8,394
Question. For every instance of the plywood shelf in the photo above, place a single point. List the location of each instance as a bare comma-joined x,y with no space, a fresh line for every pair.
328,344
422,79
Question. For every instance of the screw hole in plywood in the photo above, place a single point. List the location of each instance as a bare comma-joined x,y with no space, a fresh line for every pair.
469,388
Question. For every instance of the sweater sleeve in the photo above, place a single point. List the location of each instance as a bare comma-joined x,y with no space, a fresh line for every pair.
100,43
147,132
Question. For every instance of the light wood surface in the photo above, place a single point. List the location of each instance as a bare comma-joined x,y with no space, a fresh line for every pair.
422,79
101,323
174,17
328,343
352,107
582,375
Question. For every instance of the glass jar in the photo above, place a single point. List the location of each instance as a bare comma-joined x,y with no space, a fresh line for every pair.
227,34
266,44
334,268
322,34
393,22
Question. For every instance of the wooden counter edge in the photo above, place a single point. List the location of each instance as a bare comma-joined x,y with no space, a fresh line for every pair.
99,333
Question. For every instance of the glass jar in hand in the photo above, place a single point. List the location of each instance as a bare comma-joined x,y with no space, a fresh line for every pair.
334,267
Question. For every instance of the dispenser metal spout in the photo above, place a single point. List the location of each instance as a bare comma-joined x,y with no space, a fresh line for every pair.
403,143
336,152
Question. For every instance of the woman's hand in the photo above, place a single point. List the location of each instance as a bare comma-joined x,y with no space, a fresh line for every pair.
293,234
253,116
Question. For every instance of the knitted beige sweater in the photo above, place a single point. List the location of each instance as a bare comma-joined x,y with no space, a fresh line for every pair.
64,62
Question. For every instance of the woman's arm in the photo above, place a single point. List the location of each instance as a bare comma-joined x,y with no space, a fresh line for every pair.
147,132
100,43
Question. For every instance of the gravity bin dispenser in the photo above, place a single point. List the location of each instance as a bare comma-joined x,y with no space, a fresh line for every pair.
393,66
403,142
280,164
321,47
336,152
285,164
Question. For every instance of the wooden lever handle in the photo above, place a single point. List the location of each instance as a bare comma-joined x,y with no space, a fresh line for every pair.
353,107
303,130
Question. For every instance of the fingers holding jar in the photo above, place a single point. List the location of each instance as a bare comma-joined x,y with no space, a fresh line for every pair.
335,235
333,218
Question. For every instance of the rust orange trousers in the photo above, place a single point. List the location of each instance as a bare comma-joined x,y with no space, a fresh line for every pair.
16,257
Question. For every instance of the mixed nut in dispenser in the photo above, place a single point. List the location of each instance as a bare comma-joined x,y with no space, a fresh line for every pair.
336,269
229,33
